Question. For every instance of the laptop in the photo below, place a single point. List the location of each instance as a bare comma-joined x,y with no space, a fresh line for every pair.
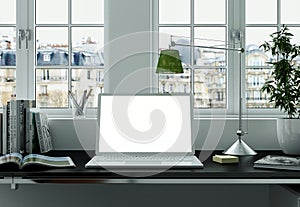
153,130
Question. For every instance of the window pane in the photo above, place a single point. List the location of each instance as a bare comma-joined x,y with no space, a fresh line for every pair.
7,38
7,46
255,78
174,11
210,88
261,12
7,85
255,57
290,11
212,36
296,32
210,12
52,12
52,88
87,46
256,62
178,35
8,12
255,36
87,12
86,79
52,46
175,83
295,39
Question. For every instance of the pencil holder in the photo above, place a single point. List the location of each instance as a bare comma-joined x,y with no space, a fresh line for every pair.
78,112
79,108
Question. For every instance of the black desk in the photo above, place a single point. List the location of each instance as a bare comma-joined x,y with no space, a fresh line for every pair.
232,185
212,173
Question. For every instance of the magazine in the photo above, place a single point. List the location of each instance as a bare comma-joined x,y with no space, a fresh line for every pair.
35,160
278,162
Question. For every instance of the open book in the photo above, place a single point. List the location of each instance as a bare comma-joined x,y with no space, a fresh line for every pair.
36,159
278,162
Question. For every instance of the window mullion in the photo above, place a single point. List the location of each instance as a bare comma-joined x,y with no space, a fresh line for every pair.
22,75
237,26
192,42
242,44
153,44
31,51
231,100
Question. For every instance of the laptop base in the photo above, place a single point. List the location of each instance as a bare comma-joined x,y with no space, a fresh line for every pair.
187,162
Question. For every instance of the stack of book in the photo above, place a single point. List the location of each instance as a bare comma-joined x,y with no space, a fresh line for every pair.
24,129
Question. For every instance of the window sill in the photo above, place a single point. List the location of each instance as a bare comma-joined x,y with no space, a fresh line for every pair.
260,114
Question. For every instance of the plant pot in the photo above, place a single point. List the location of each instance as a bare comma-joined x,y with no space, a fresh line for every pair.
288,134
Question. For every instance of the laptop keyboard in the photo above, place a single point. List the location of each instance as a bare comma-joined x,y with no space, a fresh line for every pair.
139,158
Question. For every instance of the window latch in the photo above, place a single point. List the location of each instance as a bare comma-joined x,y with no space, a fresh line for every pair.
27,36
21,37
24,34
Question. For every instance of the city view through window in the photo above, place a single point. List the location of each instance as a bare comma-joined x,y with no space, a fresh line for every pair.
52,83
209,72
210,79
68,48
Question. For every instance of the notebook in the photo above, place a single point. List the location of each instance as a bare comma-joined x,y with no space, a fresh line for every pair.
153,130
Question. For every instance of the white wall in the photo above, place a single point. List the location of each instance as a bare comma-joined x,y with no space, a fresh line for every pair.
211,134
127,46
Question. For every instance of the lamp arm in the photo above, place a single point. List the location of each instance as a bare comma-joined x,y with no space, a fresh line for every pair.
241,50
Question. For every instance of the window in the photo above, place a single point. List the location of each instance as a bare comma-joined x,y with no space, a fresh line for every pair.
7,51
217,23
55,54
259,25
201,23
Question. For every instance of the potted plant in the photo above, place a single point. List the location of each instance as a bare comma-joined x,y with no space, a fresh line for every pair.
284,88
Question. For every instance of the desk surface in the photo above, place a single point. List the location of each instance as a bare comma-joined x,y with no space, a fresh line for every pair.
243,172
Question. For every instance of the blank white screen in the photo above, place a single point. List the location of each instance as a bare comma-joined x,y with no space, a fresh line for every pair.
153,123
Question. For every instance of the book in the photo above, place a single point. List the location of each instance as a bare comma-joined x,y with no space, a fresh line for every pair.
1,134
16,159
278,162
43,132
23,105
8,131
31,137
225,159
4,130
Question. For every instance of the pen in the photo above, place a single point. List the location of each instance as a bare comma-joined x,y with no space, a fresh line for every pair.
83,100
78,108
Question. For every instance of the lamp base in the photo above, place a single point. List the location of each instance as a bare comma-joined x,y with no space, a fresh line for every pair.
239,148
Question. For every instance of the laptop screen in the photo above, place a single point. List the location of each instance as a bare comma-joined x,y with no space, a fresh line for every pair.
144,123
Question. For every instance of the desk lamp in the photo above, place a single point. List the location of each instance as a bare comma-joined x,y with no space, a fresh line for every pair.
169,62
239,147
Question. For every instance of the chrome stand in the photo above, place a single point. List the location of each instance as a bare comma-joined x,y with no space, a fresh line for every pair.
239,147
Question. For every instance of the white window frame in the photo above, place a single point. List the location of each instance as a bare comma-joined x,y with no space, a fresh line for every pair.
268,112
230,23
236,14
26,57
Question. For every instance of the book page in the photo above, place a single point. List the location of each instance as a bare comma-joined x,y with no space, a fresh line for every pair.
47,161
11,158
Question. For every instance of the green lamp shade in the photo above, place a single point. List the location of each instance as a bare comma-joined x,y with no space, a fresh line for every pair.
169,62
